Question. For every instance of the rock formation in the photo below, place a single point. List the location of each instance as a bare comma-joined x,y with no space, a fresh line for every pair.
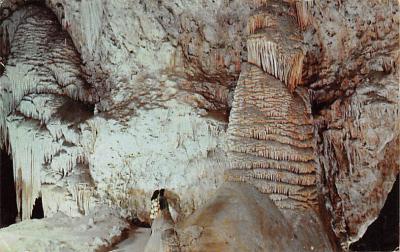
43,76
271,133
271,140
298,98
240,218
355,95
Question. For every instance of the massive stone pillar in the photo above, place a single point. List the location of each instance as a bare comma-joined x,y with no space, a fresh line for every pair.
270,129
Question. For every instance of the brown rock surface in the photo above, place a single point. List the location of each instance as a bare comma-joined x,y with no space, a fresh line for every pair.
239,218
271,140
144,58
353,71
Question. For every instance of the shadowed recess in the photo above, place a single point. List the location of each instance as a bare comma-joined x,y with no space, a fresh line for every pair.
8,203
75,111
37,212
383,233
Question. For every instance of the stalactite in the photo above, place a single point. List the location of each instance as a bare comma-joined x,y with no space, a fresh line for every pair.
15,86
24,138
276,175
270,149
275,43
268,55
244,161
92,12
303,10
40,75
82,194
260,3
259,21
27,161
29,29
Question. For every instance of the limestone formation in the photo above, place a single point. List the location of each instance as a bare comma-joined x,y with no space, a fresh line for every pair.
275,43
353,71
239,218
43,69
270,128
271,140
298,98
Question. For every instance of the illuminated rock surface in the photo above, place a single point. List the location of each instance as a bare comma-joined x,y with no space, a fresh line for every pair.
103,102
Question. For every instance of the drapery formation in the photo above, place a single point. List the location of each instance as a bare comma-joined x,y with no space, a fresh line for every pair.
42,75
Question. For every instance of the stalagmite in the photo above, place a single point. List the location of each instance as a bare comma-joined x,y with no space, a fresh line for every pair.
270,128
277,158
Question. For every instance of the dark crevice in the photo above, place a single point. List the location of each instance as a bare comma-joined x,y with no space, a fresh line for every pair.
138,223
221,115
37,212
11,6
383,233
8,202
317,107
75,111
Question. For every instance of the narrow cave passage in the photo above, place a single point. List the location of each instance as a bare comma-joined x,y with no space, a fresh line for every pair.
8,203
383,233
37,211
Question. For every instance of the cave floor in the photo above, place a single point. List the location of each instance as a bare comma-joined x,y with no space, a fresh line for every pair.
135,241
94,232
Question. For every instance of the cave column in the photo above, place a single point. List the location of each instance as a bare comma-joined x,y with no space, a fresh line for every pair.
270,131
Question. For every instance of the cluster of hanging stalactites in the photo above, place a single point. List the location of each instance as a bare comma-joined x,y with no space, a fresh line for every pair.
31,145
303,11
259,21
286,66
259,3
28,160
82,193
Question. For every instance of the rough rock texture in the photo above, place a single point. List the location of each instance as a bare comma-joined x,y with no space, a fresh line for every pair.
156,125
169,148
166,64
138,95
125,43
271,140
239,218
353,69
42,80
89,233
270,130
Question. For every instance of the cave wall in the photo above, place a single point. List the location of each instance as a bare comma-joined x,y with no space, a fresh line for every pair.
177,108
353,73
154,66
